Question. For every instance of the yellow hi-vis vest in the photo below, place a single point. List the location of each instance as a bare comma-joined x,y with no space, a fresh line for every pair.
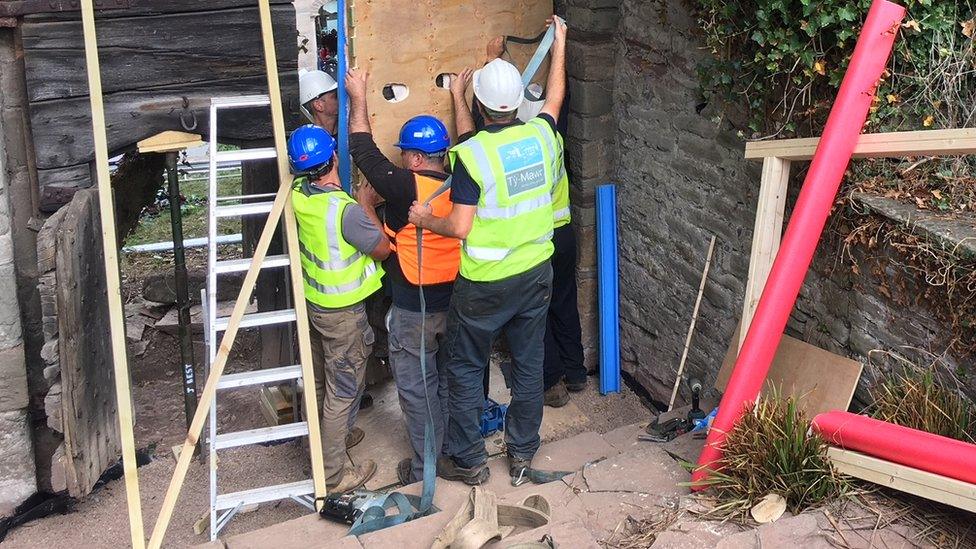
516,171
336,273
560,193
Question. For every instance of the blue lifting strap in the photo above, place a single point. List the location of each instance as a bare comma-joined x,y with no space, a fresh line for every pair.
411,507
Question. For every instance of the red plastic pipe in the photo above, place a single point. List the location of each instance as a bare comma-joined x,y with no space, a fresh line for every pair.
833,154
897,444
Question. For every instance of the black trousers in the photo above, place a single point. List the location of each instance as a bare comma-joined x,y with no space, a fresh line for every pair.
564,338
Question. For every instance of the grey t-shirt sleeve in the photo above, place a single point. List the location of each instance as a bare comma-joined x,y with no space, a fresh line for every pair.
359,230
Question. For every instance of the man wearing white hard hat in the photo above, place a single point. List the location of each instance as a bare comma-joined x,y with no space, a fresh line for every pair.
502,189
318,93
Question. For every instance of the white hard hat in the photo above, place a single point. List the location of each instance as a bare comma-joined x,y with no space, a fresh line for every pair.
498,85
312,84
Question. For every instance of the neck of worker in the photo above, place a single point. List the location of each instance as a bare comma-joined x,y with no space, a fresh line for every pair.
329,181
327,122
433,164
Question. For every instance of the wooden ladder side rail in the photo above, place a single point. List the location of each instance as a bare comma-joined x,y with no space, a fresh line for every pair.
294,253
281,203
777,157
106,208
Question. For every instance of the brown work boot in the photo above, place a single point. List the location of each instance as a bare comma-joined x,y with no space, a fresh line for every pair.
354,437
577,386
353,477
556,396
404,471
472,476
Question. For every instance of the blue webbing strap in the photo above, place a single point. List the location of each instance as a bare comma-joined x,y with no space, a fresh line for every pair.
411,507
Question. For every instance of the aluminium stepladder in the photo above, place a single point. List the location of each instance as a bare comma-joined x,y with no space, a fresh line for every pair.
224,506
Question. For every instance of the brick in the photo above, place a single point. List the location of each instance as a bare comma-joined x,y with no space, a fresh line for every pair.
583,216
585,247
590,61
591,128
590,98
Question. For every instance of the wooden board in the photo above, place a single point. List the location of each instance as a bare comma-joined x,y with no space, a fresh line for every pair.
821,380
169,141
906,479
876,145
89,411
411,43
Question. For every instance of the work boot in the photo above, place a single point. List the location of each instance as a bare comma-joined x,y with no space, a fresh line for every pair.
518,468
472,476
354,437
353,477
576,386
404,470
556,396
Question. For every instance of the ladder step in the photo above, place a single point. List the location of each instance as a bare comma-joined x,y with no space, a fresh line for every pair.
240,101
236,210
260,377
246,154
262,495
242,265
258,319
262,434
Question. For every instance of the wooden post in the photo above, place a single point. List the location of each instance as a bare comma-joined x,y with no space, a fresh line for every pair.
110,249
766,235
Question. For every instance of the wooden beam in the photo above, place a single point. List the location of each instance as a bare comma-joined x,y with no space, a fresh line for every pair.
114,295
875,145
907,479
169,141
766,235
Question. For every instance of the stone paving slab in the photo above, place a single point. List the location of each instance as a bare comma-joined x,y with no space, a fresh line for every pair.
646,470
624,439
694,535
571,534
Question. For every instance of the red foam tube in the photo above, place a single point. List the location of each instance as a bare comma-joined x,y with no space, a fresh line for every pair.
897,444
819,190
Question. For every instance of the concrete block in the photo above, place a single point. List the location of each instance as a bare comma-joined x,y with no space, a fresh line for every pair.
590,98
583,216
586,247
590,61
587,159
13,379
17,476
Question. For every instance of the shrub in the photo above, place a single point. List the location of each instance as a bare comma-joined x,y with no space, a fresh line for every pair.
915,399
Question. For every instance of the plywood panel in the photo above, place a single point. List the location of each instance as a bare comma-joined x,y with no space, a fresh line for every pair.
410,43
821,380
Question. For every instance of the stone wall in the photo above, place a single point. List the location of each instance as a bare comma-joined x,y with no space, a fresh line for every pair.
17,476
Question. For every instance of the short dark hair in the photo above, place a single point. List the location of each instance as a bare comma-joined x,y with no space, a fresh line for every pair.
498,115
427,155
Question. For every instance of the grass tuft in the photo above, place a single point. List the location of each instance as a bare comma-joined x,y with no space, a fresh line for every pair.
772,450
915,399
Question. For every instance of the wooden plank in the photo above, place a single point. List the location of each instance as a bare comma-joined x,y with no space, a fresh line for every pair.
88,411
169,141
135,115
820,380
58,185
149,52
906,479
282,203
113,291
766,234
876,145
410,43
146,8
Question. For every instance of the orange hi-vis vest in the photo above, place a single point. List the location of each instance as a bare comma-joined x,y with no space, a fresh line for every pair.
442,255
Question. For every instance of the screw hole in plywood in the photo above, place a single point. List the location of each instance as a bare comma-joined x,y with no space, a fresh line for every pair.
443,80
395,92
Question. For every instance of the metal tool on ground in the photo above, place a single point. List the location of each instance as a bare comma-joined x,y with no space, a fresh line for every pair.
693,420
171,143
349,506
691,328
227,505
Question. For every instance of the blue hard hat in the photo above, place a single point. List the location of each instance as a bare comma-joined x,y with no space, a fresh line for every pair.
424,133
310,147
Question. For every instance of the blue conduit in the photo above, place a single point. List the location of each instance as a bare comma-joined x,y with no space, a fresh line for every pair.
606,236
344,164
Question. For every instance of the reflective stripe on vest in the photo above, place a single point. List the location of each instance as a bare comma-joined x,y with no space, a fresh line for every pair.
515,169
442,255
560,193
336,274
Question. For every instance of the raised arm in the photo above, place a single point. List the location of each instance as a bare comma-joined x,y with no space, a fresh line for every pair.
556,85
358,111
463,121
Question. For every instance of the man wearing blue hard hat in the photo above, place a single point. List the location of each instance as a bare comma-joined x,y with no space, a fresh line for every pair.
423,144
341,245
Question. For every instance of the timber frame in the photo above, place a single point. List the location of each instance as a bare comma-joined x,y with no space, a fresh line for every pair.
777,157
281,205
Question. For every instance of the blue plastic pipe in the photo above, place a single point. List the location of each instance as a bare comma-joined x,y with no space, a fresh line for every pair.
606,240
345,173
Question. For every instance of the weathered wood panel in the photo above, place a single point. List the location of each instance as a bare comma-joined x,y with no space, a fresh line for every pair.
89,412
140,53
411,43
145,8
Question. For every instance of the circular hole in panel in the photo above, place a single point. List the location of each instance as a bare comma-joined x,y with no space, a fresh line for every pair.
395,92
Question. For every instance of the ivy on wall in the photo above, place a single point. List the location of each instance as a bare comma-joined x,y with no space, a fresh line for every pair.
786,59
